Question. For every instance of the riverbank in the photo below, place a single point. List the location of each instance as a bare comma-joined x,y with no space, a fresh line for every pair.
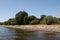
51,28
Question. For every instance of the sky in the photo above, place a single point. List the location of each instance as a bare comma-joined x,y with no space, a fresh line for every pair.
9,8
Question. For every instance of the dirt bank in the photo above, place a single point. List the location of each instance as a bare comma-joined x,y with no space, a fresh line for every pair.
55,28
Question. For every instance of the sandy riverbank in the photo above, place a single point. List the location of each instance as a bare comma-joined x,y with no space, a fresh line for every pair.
55,28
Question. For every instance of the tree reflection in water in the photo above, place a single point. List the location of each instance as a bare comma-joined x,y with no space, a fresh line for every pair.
24,35
51,36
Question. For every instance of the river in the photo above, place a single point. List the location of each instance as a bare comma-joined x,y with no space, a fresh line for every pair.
18,34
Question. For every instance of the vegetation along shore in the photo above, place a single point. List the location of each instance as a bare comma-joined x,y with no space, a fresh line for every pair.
23,21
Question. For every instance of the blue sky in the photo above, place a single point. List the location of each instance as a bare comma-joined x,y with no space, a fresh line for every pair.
8,8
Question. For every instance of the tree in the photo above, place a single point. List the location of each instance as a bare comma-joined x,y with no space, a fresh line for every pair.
34,22
58,21
55,20
43,19
26,20
11,21
1,23
5,23
49,20
30,18
20,17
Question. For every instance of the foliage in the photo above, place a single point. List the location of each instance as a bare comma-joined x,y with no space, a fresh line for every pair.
30,18
1,23
26,20
20,16
5,23
55,20
43,19
12,21
49,20
58,21
34,22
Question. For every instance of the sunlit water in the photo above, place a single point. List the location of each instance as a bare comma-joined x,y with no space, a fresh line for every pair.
17,34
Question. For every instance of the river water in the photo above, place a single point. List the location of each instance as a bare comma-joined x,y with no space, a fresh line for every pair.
17,34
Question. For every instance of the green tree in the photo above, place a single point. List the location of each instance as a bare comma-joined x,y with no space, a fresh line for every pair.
58,21
34,22
20,17
49,20
55,20
26,20
5,23
43,19
30,18
1,23
12,21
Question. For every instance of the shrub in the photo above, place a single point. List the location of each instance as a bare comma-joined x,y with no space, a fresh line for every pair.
34,22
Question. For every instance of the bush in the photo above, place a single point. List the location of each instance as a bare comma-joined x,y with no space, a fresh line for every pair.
26,20
43,21
34,22
49,20
58,21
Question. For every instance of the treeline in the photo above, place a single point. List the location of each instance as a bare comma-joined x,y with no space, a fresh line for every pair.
22,18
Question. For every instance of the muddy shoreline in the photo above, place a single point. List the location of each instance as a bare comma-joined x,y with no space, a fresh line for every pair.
51,28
